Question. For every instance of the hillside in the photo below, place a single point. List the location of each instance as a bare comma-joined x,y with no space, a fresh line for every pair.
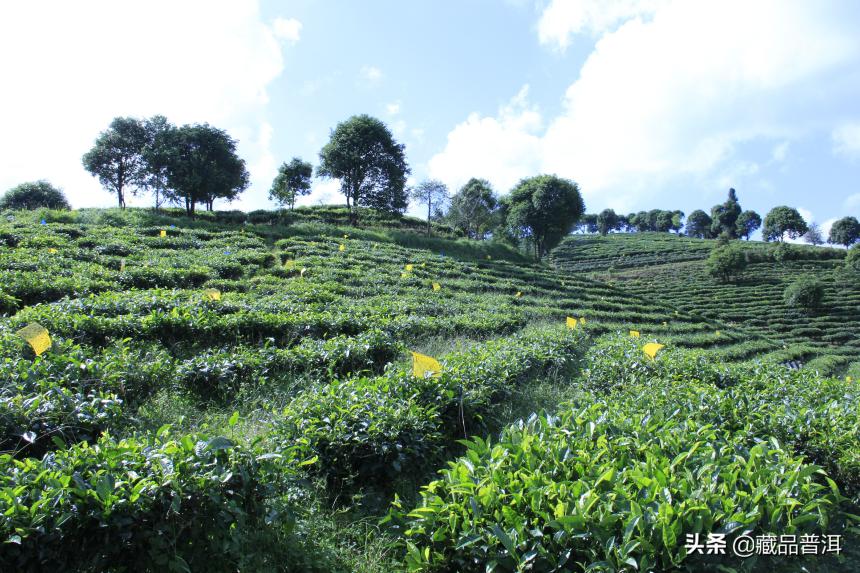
241,389
671,270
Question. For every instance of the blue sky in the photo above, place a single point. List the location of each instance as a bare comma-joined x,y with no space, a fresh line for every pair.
646,104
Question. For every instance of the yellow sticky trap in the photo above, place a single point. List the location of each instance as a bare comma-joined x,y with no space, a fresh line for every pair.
519,294
302,272
52,250
162,233
122,265
423,265
422,365
634,333
346,236
37,336
342,247
409,268
212,294
489,257
717,332
290,265
437,286
652,348
665,323
404,275
581,320
848,379
572,322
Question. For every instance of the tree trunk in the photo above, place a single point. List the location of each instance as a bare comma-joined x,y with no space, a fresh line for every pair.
429,203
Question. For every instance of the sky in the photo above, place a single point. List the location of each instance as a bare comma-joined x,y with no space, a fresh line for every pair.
645,104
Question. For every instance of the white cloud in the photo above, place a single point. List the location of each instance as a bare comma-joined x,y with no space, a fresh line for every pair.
670,96
852,202
392,108
370,74
502,149
288,29
780,151
323,192
846,140
195,61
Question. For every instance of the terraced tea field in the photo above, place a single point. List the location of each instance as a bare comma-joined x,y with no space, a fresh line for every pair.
247,392
671,270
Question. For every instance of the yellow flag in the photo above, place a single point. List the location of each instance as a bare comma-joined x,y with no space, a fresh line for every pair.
572,322
38,337
651,349
212,293
437,286
342,247
409,268
290,265
52,251
422,365
519,294
162,233
582,320
634,333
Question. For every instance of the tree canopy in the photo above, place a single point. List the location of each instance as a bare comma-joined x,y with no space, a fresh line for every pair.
201,165
782,221
292,181
607,221
473,208
432,193
369,163
699,224
116,158
543,209
845,231
724,217
748,223
34,195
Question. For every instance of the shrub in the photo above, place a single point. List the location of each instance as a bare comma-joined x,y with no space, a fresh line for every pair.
726,263
804,294
34,195
852,260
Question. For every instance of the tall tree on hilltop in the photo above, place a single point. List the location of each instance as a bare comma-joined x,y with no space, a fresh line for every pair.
157,131
117,159
748,223
813,234
699,224
607,221
202,165
292,181
724,217
432,193
369,163
782,221
845,231
473,208
543,209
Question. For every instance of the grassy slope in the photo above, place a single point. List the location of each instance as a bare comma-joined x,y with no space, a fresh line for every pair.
671,270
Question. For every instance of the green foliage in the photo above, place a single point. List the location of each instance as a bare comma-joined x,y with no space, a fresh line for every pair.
34,195
607,221
542,210
370,164
748,223
852,259
116,157
726,263
433,193
699,224
781,222
473,209
724,217
163,503
845,231
292,181
804,294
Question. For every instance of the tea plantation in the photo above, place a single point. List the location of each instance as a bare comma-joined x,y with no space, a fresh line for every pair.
236,393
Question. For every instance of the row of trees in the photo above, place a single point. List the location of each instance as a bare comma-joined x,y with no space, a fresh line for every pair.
187,165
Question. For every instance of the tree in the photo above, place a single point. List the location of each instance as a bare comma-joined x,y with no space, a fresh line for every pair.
699,224
588,223
432,193
607,221
543,210
157,132
116,158
726,262
663,222
371,166
473,208
677,221
34,195
845,231
804,294
748,223
202,165
293,180
724,217
783,220
813,234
